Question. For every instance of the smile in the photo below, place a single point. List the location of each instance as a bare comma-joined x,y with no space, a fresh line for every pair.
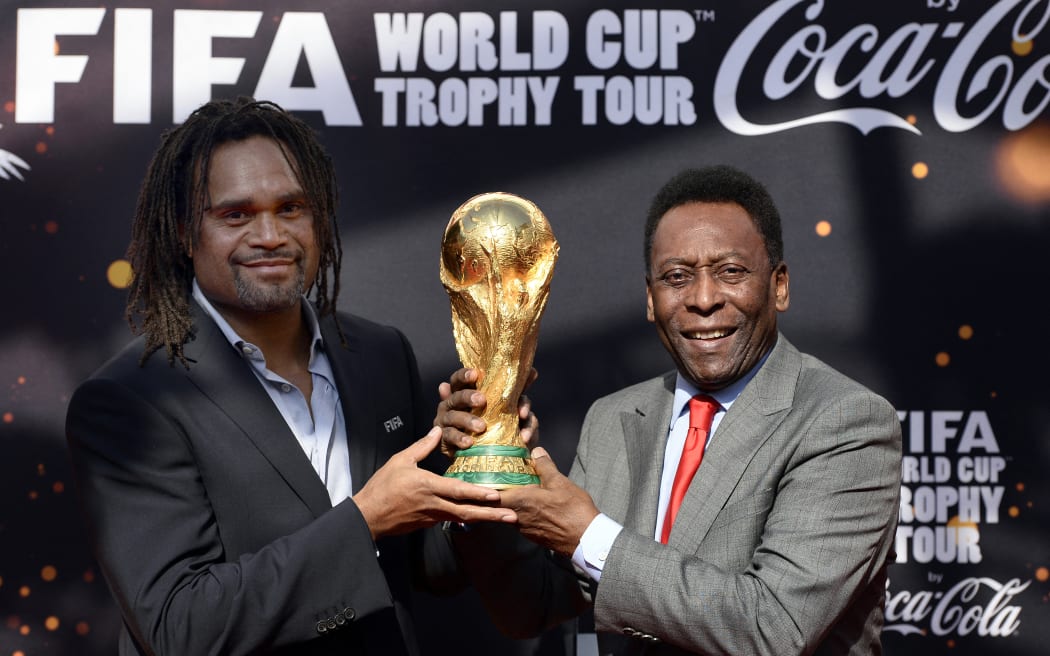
707,334
268,263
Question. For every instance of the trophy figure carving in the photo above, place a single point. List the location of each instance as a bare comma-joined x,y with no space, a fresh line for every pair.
497,258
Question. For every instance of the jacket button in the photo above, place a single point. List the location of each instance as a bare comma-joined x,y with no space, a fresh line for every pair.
349,614
339,619
322,627
330,623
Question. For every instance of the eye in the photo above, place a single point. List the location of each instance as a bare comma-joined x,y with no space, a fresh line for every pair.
732,273
235,217
676,277
293,209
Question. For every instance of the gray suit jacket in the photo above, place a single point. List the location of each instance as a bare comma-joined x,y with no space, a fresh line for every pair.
781,543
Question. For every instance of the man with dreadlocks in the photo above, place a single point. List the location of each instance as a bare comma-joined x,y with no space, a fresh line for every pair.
233,488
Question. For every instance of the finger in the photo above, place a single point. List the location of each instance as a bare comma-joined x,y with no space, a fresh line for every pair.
453,439
530,433
524,407
454,490
470,514
422,447
461,420
467,399
464,378
444,390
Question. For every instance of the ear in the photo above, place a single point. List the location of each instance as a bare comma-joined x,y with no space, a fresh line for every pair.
649,302
781,287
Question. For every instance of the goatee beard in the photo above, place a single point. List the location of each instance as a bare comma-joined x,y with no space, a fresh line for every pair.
268,298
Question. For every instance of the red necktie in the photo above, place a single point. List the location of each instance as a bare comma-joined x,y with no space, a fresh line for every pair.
702,409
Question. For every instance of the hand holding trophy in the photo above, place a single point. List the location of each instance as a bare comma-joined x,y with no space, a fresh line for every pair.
497,258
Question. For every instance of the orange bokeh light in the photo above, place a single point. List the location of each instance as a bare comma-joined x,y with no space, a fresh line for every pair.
49,573
1042,574
1023,164
1022,48
823,228
942,359
920,170
9,417
51,623
965,332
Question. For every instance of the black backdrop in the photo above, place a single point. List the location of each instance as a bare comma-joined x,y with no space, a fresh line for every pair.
906,143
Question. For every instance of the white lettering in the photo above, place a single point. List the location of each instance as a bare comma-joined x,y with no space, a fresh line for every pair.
39,67
730,73
195,70
132,65
455,101
307,33
397,40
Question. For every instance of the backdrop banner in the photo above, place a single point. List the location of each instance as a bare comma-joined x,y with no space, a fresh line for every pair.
906,143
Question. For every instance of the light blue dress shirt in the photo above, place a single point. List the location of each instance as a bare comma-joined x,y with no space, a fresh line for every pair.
322,432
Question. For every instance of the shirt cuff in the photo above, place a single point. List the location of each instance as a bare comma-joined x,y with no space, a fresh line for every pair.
595,544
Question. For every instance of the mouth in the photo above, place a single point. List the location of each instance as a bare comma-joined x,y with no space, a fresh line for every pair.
272,261
706,335
263,264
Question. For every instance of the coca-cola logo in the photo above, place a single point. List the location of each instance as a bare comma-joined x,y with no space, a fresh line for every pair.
968,91
975,605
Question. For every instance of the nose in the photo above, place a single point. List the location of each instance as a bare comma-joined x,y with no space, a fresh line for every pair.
705,292
267,231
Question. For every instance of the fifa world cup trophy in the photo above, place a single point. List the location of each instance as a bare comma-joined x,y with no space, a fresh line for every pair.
497,258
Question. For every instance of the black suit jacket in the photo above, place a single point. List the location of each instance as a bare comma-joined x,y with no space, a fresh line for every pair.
213,531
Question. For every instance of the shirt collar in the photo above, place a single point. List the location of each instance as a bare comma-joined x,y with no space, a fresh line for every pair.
685,390
237,341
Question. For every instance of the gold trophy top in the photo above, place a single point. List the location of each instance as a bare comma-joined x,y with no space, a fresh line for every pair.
497,259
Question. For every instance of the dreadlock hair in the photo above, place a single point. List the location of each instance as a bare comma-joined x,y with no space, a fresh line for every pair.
174,195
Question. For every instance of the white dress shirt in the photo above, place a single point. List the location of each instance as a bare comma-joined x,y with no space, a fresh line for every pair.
597,540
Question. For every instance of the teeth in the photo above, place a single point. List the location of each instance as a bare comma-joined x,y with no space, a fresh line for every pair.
707,334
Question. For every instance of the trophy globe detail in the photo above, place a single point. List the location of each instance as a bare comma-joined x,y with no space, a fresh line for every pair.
497,258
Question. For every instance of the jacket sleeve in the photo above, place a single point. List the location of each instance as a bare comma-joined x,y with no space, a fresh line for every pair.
823,526
160,546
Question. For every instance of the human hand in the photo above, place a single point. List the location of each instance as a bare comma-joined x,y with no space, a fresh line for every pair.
554,514
461,403
400,497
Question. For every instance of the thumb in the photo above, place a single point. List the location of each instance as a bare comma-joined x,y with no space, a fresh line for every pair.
541,460
422,447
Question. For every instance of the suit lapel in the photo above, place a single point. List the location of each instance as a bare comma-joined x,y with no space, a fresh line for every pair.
645,456
355,398
220,373
752,418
